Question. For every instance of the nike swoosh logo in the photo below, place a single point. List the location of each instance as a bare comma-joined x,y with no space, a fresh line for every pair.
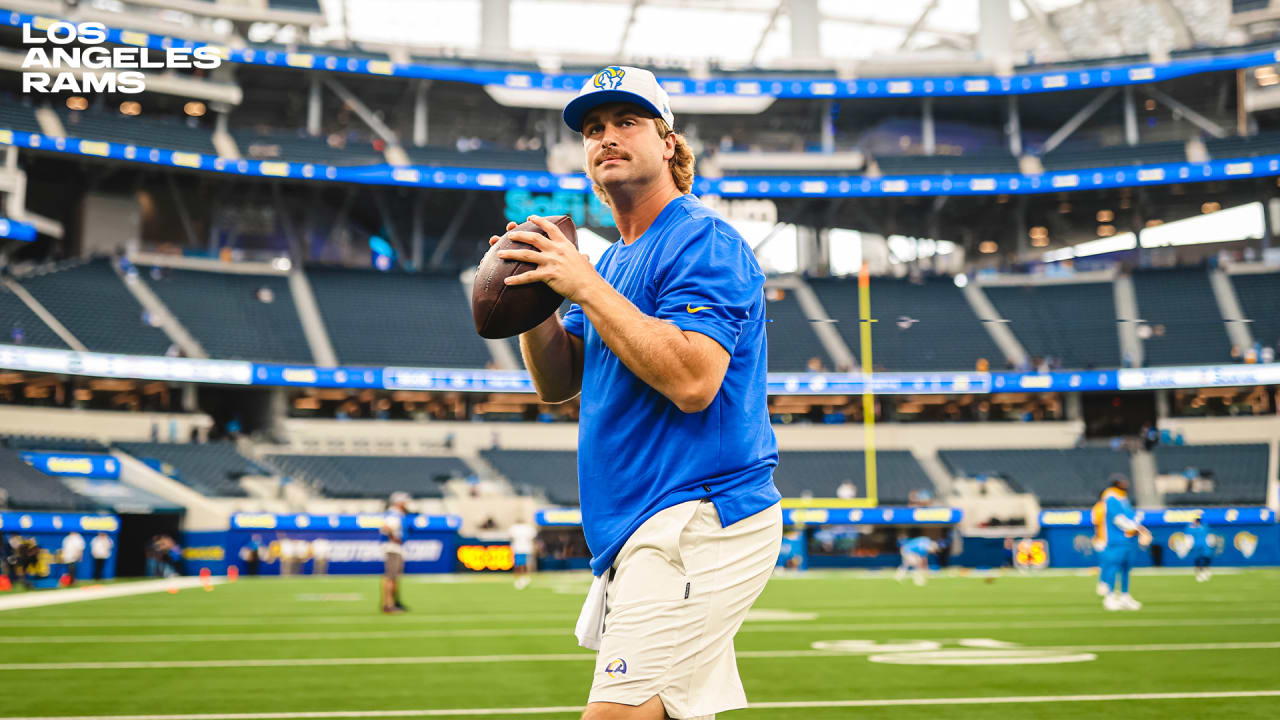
693,309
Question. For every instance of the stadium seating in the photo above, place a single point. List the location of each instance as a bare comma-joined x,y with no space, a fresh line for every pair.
969,163
51,443
223,311
1239,472
791,338
22,487
1240,147
16,114
1075,158
485,158
1071,477
295,5
157,132
419,320
553,471
92,302
368,476
1259,297
294,147
941,332
19,325
212,468
1182,301
819,472
1076,323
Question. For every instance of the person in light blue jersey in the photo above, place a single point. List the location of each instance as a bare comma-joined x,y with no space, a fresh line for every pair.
915,558
665,342
1119,534
1201,549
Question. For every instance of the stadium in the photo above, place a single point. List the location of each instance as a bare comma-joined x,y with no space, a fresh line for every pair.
1021,305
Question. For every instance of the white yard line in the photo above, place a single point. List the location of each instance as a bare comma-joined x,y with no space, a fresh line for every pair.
1099,622
569,657
45,598
556,709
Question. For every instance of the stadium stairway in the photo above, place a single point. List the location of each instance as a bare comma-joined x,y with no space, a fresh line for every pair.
995,325
161,314
1126,320
1238,331
820,322
1142,475
312,325
202,513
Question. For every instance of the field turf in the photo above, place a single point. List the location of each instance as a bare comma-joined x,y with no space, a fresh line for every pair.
476,647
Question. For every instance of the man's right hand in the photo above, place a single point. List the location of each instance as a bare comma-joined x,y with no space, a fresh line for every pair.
495,238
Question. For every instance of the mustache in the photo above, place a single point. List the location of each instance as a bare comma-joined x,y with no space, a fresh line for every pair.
611,155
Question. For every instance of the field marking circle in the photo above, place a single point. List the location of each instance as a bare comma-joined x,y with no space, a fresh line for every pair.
982,657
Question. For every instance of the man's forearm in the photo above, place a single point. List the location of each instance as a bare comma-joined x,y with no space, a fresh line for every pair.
552,361
658,352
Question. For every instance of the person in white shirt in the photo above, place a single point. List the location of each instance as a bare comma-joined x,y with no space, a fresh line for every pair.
320,553
393,552
72,552
100,548
522,536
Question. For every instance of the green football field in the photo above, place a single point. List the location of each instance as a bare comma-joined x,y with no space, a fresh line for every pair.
822,645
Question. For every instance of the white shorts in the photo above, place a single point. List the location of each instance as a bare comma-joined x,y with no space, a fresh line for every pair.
675,597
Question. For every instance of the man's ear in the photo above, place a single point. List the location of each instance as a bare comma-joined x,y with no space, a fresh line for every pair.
670,152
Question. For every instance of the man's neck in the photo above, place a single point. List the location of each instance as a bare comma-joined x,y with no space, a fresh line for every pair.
634,214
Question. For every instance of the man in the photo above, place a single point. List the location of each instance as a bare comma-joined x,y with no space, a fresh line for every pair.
393,553
1201,549
320,554
915,559
522,537
665,342
100,548
1118,534
72,553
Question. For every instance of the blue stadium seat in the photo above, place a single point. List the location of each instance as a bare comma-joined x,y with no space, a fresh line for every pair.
156,132
93,303
1072,477
941,332
819,472
293,147
223,311
555,472
792,341
19,325
1259,297
1182,301
366,476
23,487
1075,322
52,443
1078,157
415,320
531,160
17,114
1239,472
212,469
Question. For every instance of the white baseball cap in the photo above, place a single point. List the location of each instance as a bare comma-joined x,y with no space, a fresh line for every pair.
619,83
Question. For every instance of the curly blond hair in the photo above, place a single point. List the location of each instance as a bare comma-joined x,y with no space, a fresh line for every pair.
681,163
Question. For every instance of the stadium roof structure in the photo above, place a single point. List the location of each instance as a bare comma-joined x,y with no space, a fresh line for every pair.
760,33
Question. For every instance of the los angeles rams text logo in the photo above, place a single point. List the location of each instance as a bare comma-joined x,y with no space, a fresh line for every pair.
608,79
616,667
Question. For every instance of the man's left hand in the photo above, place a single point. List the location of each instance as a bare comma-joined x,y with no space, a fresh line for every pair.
560,264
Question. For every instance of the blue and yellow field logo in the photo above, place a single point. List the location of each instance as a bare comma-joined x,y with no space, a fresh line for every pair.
616,667
1246,543
608,79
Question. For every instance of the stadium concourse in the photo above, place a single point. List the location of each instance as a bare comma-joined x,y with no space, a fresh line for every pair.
1022,302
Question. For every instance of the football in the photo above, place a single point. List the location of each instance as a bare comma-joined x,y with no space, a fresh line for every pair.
502,310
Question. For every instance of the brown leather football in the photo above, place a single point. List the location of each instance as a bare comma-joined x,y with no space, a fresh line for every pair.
501,310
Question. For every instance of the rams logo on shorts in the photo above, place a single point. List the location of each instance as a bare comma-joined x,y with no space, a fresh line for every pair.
608,79
616,667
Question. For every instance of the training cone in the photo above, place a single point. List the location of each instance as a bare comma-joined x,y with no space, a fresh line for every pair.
5,585
64,581
205,573
173,591
233,573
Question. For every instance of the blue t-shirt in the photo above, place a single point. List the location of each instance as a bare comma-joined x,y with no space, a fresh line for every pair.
1199,539
918,546
638,453
1118,505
